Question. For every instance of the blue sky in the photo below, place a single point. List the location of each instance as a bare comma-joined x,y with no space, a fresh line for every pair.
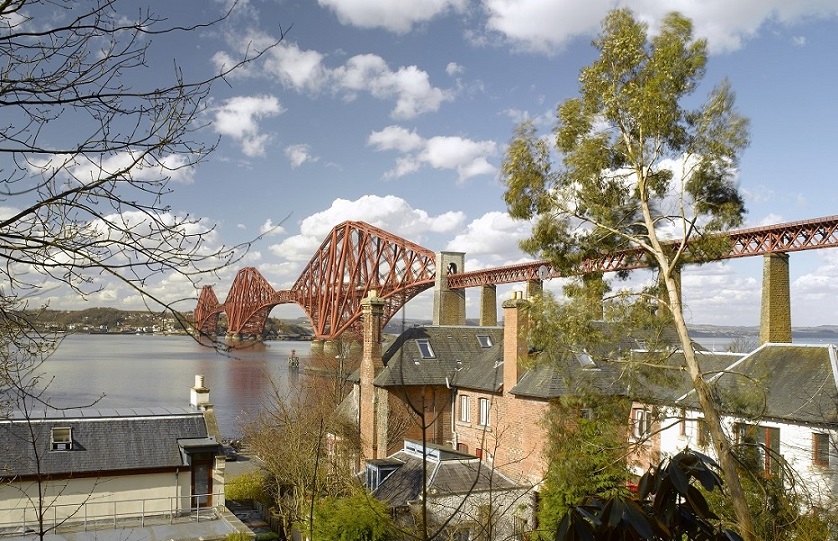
398,113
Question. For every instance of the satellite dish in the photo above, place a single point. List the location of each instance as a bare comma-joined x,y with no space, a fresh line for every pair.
543,272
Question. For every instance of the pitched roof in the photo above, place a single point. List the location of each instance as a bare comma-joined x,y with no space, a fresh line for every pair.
568,375
449,472
794,382
458,358
102,441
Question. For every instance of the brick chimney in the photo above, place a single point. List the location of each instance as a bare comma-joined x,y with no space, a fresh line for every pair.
516,326
199,399
372,310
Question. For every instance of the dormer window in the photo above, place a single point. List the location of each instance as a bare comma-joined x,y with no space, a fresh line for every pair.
61,439
425,349
485,340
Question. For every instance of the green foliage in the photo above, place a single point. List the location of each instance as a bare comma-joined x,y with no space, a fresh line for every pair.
586,455
667,506
247,486
776,501
358,517
633,158
238,536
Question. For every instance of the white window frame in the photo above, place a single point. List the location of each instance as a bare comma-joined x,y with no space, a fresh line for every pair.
425,349
465,408
484,407
640,423
61,438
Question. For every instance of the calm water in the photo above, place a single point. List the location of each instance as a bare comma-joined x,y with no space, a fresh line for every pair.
138,370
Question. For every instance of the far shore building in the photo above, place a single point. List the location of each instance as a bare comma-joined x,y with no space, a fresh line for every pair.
129,467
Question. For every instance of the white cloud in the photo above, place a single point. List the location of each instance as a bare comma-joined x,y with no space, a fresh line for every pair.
305,71
492,239
81,169
391,213
535,25
399,17
453,69
469,158
299,154
239,118
271,229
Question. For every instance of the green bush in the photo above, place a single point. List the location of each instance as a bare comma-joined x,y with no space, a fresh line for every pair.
237,536
247,486
359,517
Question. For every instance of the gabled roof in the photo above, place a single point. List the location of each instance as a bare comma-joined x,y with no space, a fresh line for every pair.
449,472
110,441
793,382
568,375
459,359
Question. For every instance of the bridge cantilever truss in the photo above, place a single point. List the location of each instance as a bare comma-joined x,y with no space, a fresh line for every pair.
353,260
357,257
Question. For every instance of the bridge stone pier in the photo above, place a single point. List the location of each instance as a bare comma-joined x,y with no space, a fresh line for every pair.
775,312
489,305
449,304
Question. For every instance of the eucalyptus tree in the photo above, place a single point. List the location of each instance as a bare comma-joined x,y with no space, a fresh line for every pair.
640,165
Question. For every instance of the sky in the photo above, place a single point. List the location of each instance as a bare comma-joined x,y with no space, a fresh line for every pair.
398,113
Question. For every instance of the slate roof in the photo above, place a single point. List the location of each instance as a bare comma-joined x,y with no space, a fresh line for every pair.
104,440
568,375
459,358
794,382
453,473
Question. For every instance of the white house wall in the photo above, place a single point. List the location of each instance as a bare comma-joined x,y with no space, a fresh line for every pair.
78,499
818,482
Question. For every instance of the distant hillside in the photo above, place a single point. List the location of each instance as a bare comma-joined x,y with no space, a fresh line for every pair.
112,320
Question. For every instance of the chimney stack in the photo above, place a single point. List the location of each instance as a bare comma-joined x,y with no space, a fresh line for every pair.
516,327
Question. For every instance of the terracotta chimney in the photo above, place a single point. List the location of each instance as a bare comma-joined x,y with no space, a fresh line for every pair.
372,310
516,326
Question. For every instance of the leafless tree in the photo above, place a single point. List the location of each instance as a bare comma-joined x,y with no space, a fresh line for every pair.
91,136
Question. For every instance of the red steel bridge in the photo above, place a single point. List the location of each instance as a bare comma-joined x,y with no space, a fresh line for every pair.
356,258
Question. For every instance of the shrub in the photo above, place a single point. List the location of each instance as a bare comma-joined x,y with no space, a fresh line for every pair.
247,486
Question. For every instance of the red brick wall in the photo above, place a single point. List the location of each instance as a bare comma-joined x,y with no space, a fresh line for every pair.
515,438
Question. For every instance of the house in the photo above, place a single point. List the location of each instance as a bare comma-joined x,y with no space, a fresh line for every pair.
479,392
780,405
95,464
465,497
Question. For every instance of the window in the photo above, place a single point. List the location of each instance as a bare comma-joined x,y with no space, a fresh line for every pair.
640,423
682,421
820,449
462,447
762,445
485,340
484,412
425,349
703,430
465,409
585,360
62,438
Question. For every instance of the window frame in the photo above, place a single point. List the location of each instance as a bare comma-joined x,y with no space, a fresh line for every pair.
820,449
465,408
425,349
766,443
484,409
64,442
641,425
484,340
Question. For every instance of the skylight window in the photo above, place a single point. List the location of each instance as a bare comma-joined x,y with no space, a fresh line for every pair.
585,359
425,349
485,340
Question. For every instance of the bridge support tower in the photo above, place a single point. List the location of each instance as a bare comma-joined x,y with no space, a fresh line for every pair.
449,304
489,305
775,312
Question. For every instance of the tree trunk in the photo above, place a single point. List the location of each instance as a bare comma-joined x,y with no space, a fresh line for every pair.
721,443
